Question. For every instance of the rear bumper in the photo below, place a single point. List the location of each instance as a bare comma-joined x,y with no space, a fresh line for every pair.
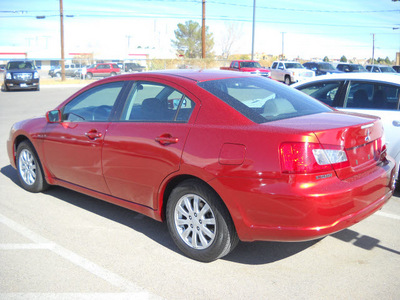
290,209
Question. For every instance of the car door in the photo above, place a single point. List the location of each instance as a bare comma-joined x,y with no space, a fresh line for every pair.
73,147
146,145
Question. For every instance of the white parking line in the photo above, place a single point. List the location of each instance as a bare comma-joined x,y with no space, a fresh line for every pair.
40,242
383,214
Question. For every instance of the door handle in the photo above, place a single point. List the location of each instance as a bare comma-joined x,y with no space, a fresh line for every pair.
396,123
166,139
93,134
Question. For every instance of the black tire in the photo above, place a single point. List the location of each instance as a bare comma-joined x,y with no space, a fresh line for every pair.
37,89
113,73
29,169
288,81
205,231
89,76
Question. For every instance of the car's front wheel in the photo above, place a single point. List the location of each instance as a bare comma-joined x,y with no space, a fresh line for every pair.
29,169
288,81
199,223
89,76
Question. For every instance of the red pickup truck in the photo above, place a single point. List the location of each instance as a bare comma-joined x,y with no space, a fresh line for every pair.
250,66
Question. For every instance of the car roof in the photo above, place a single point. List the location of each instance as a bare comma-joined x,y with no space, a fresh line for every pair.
380,77
193,74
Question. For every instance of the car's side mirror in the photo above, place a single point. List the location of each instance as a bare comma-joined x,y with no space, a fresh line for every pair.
53,116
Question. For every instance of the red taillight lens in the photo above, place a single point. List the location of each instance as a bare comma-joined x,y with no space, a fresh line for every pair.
306,158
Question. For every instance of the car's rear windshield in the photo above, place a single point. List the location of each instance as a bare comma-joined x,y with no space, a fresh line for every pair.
263,100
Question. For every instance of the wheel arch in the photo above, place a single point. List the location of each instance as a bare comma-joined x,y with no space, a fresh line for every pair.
22,138
174,182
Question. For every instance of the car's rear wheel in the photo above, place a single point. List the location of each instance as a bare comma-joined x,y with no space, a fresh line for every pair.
113,73
29,169
288,81
199,223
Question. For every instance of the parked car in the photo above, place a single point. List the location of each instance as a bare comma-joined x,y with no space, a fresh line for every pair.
345,67
321,68
103,70
290,72
396,68
70,70
248,66
21,75
133,67
380,69
369,93
219,155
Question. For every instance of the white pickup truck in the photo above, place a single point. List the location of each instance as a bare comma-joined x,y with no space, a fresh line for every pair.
289,72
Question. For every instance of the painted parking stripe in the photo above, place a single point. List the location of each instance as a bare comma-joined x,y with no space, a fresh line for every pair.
387,215
110,277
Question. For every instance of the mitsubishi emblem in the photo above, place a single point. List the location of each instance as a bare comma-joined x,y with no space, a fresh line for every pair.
368,137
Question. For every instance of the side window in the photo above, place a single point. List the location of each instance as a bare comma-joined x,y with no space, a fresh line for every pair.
323,91
274,65
236,65
94,105
372,96
153,102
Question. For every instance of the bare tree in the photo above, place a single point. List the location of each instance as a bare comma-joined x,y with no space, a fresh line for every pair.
230,37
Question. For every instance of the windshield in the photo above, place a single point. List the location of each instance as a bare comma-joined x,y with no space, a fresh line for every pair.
387,70
357,68
293,66
250,64
20,65
263,100
326,66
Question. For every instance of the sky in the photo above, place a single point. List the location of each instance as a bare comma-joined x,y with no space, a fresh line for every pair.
305,29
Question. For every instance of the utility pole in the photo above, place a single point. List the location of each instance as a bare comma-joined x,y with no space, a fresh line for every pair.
254,26
203,32
62,41
373,49
283,45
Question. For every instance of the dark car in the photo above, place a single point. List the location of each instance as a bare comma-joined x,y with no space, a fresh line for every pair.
220,156
321,68
380,69
133,67
396,68
21,75
344,67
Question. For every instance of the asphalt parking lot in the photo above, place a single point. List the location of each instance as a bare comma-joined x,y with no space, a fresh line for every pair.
64,245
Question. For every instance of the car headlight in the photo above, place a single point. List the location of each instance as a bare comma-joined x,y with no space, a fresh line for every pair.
36,75
8,75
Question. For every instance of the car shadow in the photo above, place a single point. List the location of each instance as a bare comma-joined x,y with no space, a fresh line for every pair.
252,253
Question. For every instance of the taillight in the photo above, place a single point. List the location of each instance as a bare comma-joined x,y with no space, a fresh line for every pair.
306,158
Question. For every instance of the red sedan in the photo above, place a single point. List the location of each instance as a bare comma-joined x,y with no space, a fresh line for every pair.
220,156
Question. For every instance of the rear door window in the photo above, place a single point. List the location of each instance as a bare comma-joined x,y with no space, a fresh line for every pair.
369,95
154,102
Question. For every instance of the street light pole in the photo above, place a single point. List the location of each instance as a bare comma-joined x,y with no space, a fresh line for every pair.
203,32
398,53
254,25
62,41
